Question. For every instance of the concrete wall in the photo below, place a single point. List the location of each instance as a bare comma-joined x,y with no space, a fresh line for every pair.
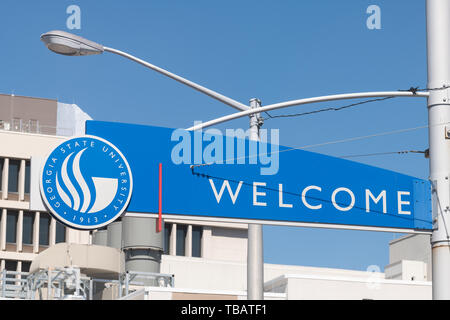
198,273
26,109
297,282
71,120
38,115
224,244
413,248
407,270
156,293
25,145
202,273
300,287
94,261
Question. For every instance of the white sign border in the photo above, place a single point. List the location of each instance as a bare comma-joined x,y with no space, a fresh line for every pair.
278,223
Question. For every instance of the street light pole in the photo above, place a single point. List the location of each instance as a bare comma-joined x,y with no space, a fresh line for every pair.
255,257
438,47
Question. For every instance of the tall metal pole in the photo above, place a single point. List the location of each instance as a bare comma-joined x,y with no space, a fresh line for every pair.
438,47
255,259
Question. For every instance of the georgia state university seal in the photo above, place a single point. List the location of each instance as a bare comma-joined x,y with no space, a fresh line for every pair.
86,183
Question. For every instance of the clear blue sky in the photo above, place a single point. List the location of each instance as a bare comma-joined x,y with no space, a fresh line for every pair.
272,50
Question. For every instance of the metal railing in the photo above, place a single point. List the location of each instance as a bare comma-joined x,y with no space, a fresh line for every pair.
58,284
25,127
13,284
135,278
68,283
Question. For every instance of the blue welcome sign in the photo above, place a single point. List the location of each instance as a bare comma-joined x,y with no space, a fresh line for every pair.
306,187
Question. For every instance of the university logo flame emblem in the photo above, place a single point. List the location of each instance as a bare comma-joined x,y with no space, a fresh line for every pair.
86,182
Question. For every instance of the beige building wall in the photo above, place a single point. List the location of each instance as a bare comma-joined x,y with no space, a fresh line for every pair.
228,244
27,114
20,147
24,145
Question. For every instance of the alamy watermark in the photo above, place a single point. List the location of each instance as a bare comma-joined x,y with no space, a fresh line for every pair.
374,278
211,146
74,20
373,22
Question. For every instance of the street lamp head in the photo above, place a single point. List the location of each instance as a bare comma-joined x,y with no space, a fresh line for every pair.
69,44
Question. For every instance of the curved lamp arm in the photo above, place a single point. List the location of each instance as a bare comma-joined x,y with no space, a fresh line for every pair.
69,44
233,103
308,101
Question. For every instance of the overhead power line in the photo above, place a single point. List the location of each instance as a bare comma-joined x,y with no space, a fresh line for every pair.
325,109
339,141
382,153
412,89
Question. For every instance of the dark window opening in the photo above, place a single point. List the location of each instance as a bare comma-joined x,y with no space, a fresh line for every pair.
26,266
27,176
44,229
13,175
11,265
167,230
60,233
181,239
197,241
27,234
2,161
11,226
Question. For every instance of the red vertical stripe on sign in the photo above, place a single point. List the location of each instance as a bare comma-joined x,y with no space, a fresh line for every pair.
159,226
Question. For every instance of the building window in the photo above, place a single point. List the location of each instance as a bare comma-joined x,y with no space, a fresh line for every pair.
13,175
197,241
44,229
11,265
27,176
181,235
27,235
181,239
2,161
26,266
11,226
60,233
167,231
